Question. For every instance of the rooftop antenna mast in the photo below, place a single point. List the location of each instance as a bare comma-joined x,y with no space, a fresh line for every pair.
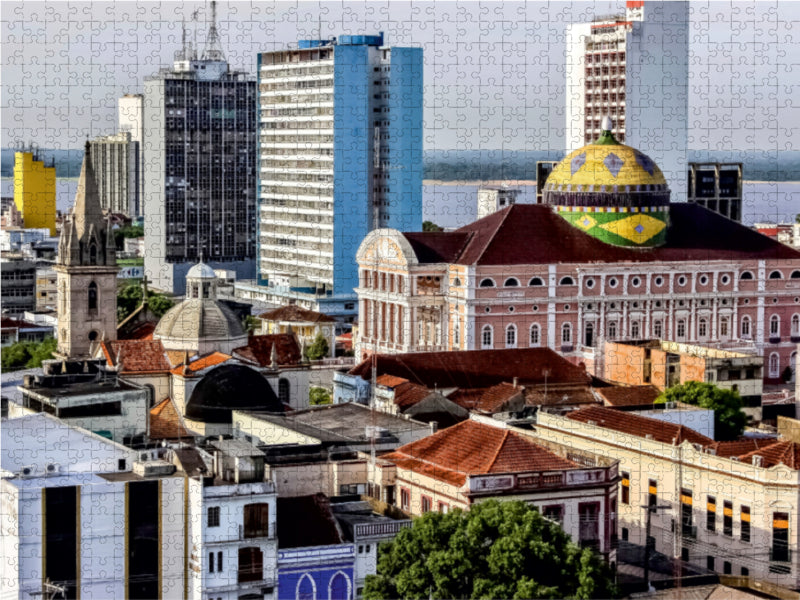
213,51
195,18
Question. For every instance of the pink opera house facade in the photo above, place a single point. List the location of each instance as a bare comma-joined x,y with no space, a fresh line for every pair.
605,257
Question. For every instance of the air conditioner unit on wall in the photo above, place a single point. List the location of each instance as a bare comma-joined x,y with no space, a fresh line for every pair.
29,471
52,469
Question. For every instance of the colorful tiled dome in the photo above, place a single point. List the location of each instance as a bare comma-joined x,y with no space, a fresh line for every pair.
612,192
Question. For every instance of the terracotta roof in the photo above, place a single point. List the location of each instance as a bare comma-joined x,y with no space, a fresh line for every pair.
408,394
176,357
390,381
314,512
476,368
787,453
143,331
740,447
507,238
200,363
486,400
627,422
137,356
565,395
166,423
629,395
259,349
295,314
9,323
472,448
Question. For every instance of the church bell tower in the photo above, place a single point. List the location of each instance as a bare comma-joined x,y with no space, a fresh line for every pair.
86,272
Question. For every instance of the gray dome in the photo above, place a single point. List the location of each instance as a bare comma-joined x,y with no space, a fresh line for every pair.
197,320
201,271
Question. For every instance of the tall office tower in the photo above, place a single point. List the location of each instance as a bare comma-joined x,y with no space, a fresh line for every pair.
634,69
340,154
116,166
199,167
130,110
718,187
35,190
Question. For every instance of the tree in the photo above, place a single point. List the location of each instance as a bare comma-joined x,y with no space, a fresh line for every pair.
250,324
495,550
130,297
430,226
318,349
318,396
729,419
28,355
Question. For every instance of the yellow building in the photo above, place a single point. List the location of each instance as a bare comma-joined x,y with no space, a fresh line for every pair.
35,191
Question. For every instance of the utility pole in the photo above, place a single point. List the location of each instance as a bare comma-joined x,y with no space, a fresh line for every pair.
650,511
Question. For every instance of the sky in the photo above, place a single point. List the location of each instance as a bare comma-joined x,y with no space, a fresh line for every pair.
493,75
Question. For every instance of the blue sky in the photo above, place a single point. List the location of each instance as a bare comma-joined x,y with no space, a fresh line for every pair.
494,75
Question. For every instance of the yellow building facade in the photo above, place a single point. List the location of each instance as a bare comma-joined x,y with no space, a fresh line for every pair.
35,191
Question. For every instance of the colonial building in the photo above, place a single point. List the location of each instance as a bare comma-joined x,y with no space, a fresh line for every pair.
606,257
86,272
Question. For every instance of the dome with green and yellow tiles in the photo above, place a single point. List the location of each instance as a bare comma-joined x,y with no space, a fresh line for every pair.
612,192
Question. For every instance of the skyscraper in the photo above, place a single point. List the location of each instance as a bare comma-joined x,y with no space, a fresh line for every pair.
130,110
117,168
199,166
633,68
340,154
35,190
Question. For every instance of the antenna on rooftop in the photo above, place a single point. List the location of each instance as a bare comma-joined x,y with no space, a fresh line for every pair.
212,51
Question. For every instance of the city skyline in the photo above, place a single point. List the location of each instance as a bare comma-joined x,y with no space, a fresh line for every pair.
741,75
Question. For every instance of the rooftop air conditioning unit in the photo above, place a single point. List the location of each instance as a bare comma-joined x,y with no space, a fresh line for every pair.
52,469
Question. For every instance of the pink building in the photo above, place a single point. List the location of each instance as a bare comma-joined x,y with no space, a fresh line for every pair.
574,273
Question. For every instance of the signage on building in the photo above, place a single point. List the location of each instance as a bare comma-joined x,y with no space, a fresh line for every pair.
131,273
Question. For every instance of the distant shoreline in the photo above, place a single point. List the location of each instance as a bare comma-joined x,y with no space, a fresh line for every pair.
526,182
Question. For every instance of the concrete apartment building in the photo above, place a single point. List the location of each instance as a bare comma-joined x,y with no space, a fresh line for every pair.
665,364
730,506
118,172
616,66
718,187
199,162
130,113
18,289
492,198
340,154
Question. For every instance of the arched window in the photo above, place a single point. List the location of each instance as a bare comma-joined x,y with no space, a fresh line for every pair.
536,281
635,330
456,283
746,275
306,588
486,336
658,328
612,330
511,282
535,335
776,275
251,566
745,327
795,325
511,336
93,254
774,326
566,281
92,296
339,587
588,334
795,275
284,390
680,329
566,333
488,282
724,327
702,328
774,365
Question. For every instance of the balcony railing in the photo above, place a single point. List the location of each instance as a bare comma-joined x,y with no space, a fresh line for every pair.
388,528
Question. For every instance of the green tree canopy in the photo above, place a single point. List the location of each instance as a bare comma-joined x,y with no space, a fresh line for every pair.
729,419
28,355
495,550
318,349
430,226
318,396
130,297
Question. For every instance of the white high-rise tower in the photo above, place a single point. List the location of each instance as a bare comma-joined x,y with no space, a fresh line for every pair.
635,69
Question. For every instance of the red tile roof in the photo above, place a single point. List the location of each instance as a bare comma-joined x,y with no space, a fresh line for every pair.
143,331
787,453
472,448
200,363
295,314
476,368
740,447
507,238
390,381
486,400
627,422
629,395
166,423
137,356
564,395
259,349
408,394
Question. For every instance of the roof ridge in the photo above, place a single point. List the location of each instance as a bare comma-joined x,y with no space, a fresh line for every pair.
499,449
494,233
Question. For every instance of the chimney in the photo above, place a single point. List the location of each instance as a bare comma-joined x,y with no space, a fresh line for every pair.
758,461
515,382
434,427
